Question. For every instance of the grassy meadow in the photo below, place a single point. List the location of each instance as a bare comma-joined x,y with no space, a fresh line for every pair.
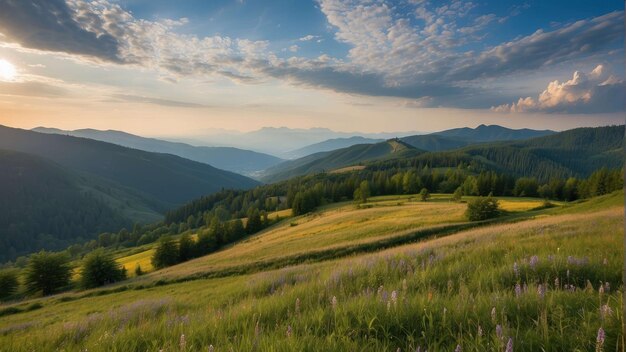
535,280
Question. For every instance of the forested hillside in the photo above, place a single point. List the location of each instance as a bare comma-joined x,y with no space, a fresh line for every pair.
43,206
167,178
226,158
336,159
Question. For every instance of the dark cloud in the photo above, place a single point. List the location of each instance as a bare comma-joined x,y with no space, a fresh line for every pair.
575,41
49,25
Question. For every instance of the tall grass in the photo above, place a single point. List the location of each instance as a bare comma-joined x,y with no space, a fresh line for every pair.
546,284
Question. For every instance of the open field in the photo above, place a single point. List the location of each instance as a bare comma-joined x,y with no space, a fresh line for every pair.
534,281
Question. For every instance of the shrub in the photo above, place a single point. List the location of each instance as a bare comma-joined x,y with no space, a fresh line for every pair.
457,195
482,208
424,194
138,271
8,283
101,269
47,272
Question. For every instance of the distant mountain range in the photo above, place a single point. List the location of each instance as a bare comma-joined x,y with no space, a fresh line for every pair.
340,158
491,133
281,141
546,153
438,141
244,162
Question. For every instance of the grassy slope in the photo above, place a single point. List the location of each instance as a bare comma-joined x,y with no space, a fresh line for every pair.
340,158
445,289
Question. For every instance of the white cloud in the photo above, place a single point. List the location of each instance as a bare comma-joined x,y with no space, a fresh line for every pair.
307,38
294,48
594,92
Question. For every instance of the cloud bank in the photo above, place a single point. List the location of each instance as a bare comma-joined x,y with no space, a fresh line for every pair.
594,92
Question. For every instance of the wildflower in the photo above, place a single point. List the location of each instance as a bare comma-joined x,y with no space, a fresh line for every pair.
297,305
601,289
499,331
600,340
509,345
515,269
518,290
557,283
541,291
183,342
211,348
607,287
289,331
605,261
458,348
606,311
404,287
534,260
493,314
333,302
480,331
568,274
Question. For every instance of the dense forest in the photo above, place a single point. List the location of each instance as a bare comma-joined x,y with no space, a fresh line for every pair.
59,213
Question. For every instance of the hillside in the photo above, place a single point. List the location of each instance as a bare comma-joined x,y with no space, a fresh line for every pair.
576,152
379,288
435,143
44,206
166,178
491,133
226,158
330,144
336,159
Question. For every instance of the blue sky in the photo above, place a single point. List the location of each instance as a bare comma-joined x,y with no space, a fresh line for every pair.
368,65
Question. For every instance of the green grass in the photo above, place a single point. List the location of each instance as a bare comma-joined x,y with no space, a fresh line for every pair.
445,288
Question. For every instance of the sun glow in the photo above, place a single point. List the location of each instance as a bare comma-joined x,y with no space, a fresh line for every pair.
7,71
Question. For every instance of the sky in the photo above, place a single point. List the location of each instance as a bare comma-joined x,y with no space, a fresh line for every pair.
188,68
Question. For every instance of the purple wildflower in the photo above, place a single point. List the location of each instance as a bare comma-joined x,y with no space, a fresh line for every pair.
499,331
541,291
458,348
518,290
289,331
534,260
606,311
211,348
509,345
394,297
600,340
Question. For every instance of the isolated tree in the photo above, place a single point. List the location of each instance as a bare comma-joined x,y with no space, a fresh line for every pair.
424,194
362,193
8,283
185,248
457,195
47,272
166,253
100,269
138,271
482,208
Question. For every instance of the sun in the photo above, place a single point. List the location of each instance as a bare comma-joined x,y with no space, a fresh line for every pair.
7,71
